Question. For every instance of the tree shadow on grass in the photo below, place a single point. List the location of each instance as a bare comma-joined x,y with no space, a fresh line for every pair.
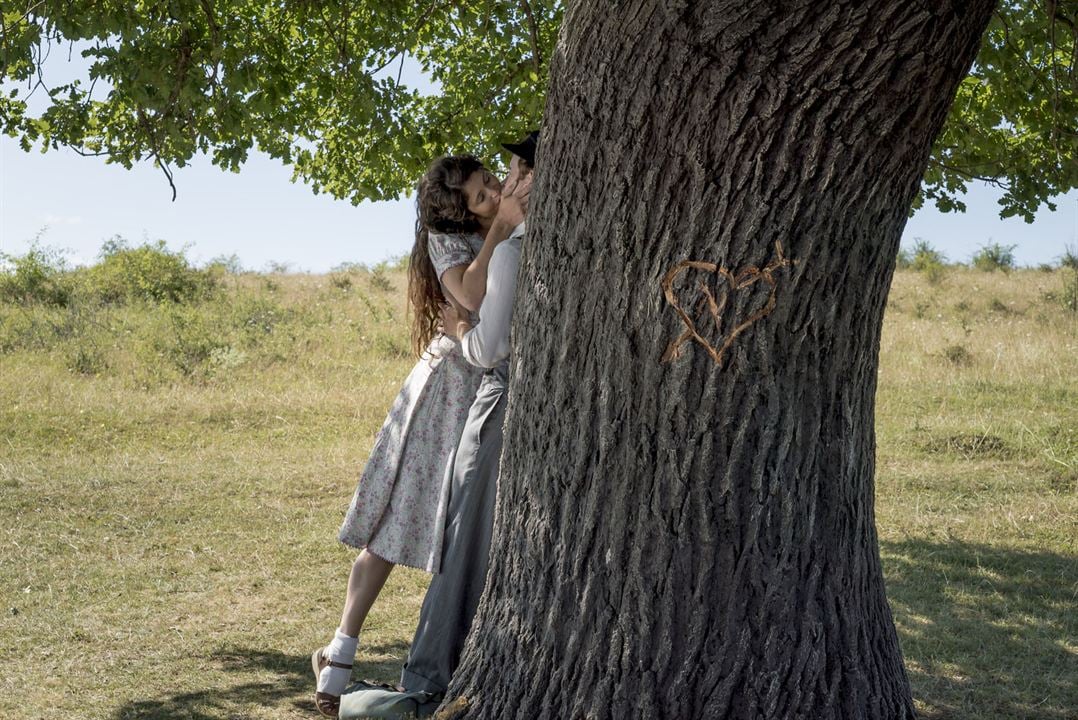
292,685
986,632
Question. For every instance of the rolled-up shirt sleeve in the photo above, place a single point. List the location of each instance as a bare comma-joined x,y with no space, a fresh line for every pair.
487,343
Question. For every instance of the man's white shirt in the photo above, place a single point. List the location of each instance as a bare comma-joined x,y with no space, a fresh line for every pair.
487,343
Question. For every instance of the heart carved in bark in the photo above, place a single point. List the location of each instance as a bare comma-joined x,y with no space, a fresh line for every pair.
728,282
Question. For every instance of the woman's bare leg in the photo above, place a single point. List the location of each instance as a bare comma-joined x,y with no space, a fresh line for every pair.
369,573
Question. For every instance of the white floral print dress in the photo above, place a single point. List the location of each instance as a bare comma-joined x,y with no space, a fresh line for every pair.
398,509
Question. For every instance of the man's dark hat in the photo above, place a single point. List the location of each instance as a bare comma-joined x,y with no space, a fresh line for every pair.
526,147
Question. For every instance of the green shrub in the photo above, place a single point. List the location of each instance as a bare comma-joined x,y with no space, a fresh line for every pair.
379,279
924,254
1069,258
86,359
1069,296
229,264
926,259
257,317
40,276
994,257
379,312
957,355
44,327
904,259
22,329
341,281
188,339
934,273
148,272
278,268
348,267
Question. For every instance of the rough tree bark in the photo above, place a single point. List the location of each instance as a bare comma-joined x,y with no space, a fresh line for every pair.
696,538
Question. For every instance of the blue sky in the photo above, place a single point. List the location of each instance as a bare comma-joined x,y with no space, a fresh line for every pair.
75,203
257,214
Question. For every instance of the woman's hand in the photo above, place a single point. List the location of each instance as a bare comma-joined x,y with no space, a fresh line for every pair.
455,320
515,193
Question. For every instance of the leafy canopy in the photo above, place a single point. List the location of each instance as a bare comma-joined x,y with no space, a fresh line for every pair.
318,85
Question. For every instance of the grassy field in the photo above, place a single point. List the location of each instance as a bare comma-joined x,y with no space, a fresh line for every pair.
171,483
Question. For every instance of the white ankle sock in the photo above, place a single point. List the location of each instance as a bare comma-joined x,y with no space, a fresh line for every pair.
341,649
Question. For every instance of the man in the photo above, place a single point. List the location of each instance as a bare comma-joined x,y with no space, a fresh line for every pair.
472,471
454,593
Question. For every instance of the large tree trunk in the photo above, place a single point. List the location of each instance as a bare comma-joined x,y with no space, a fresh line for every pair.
696,537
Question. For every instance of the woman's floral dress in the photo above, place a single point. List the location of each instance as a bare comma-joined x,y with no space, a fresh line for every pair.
398,509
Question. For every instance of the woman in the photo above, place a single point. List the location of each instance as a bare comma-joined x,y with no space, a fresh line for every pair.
398,510
453,596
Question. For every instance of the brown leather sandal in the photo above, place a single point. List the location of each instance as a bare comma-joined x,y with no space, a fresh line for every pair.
328,705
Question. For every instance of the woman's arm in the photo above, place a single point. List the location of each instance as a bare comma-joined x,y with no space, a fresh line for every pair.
468,284
487,343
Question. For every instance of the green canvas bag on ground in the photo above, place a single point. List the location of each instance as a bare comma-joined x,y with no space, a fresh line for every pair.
369,700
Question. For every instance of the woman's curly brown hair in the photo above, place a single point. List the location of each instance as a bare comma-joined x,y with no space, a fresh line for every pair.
441,207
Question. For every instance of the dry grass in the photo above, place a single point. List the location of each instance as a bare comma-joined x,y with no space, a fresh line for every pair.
168,551
977,492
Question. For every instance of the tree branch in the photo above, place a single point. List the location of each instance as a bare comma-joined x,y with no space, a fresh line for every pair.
214,40
537,55
965,173
168,173
420,23
84,153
